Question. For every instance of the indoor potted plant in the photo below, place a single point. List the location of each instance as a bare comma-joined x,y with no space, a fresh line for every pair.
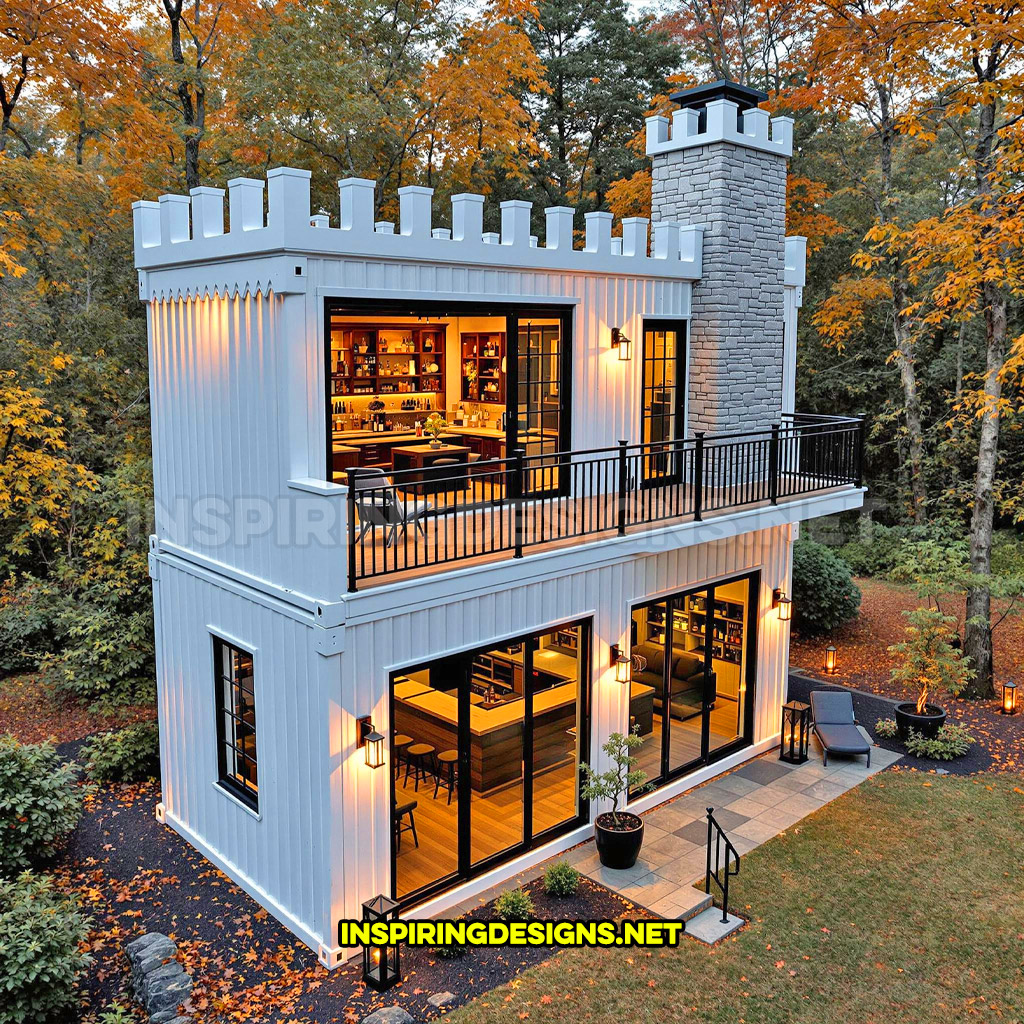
618,834
929,661
435,424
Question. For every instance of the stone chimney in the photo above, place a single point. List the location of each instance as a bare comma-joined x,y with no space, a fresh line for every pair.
722,165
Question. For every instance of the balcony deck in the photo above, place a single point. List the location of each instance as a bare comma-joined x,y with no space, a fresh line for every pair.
410,524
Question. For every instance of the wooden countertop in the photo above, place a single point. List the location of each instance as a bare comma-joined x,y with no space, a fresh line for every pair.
426,449
470,431
360,438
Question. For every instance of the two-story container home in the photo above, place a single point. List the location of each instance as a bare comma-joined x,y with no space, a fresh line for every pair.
380,662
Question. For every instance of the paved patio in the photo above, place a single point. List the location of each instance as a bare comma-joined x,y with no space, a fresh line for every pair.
753,803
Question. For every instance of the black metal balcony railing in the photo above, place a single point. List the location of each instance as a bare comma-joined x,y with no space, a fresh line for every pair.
414,519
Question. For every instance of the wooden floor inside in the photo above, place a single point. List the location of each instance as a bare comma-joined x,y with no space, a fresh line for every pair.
496,823
465,528
684,737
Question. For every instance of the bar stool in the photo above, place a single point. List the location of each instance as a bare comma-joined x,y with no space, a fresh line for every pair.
447,772
399,743
404,810
420,762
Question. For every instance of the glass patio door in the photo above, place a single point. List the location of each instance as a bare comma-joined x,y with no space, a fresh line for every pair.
692,685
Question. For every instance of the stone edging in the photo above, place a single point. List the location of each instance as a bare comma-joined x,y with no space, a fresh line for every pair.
160,982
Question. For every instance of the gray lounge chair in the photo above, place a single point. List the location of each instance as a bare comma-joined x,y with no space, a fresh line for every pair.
835,725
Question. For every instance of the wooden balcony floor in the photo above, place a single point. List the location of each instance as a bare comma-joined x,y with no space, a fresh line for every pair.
468,537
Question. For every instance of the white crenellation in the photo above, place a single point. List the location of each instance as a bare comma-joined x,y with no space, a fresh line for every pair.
207,211
515,223
759,129
187,229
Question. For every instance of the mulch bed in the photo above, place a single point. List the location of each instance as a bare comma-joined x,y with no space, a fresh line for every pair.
864,663
135,875
869,709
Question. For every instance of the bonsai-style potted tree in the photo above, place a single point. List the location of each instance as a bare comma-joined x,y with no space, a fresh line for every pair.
929,661
618,834
433,428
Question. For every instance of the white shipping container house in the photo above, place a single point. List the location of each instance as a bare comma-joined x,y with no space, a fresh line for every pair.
601,548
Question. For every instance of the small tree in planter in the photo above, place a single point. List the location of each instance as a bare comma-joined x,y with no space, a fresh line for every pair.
929,662
618,834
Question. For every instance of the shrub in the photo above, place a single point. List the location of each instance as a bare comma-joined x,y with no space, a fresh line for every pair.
41,931
514,905
453,951
25,615
886,728
40,803
124,755
561,879
824,594
875,549
929,660
951,741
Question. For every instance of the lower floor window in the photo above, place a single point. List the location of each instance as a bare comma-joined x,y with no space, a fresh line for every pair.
236,721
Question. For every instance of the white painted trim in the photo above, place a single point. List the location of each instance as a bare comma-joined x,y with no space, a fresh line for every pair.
424,294
300,928
315,486
225,792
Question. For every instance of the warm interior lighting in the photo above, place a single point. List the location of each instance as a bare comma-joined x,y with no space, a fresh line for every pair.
830,660
372,741
784,605
623,344
622,664
1009,699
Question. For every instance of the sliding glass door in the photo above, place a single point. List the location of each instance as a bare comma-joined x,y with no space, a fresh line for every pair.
693,667
485,754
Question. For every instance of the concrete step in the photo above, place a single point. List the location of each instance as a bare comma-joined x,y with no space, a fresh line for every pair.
691,902
708,926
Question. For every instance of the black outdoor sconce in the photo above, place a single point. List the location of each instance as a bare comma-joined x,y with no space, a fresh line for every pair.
784,605
623,665
380,963
795,727
623,344
372,741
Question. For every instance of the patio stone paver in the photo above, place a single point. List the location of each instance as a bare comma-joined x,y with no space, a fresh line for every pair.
753,804
710,928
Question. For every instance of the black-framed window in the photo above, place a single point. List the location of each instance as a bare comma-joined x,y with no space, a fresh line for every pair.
236,721
663,394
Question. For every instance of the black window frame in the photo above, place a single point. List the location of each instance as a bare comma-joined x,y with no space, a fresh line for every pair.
669,468
229,749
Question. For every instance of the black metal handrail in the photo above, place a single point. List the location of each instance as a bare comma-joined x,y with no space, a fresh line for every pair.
436,515
722,871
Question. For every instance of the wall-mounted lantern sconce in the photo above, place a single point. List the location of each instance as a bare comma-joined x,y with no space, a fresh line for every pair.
783,603
372,741
623,665
623,344
831,660
1009,704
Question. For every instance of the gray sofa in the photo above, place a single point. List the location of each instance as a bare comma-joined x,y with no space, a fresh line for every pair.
686,684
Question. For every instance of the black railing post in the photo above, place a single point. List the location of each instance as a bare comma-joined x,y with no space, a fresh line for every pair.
623,486
352,530
698,474
859,469
773,466
518,490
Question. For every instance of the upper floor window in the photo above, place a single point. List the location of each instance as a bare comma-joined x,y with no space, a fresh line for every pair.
236,721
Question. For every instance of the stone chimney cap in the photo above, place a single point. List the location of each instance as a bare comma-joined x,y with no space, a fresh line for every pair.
700,95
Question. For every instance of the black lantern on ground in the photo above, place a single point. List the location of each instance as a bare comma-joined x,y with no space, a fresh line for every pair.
831,660
795,725
1009,703
380,963
372,741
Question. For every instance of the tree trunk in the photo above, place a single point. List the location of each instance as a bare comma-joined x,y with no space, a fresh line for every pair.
911,396
978,631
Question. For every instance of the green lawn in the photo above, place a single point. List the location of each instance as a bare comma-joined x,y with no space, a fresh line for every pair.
901,901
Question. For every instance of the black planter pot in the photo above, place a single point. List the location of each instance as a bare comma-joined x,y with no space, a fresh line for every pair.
926,725
619,848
